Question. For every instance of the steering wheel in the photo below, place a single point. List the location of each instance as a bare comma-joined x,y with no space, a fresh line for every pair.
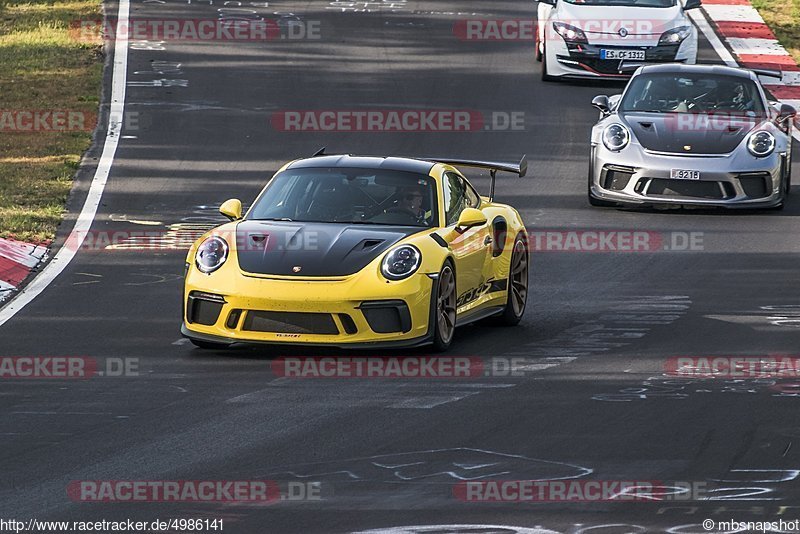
401,209
695,102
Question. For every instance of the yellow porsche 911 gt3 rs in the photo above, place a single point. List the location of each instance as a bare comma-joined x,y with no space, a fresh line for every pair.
358,252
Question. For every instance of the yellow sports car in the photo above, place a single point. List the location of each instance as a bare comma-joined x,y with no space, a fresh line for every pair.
358,252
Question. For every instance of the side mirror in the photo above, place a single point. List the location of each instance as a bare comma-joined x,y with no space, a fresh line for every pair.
785,112
601,103
691,4
471,218
232,209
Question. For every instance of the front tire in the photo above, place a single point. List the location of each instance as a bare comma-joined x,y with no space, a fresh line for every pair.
545,77
538,47
443,307
788,186
592,200
517,284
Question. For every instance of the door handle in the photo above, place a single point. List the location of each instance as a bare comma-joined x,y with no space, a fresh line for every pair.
487,241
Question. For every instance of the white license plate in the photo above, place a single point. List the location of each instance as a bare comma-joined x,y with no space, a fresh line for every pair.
684,174
635,55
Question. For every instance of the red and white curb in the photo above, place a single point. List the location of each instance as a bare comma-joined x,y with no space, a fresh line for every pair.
17,260
755,46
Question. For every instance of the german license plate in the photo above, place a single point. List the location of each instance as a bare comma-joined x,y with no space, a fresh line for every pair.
633,55
684,174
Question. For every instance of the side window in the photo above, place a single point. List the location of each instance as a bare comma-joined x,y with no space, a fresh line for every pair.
473,198
455,197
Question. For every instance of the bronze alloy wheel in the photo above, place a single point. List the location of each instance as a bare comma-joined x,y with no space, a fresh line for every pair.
519,278
446,305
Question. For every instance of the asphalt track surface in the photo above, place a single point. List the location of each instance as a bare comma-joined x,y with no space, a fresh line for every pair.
593,401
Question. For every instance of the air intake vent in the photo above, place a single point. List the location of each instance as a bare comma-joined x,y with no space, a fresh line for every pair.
371,243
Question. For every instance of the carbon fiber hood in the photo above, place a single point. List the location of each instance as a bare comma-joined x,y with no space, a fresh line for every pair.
313,249
689,133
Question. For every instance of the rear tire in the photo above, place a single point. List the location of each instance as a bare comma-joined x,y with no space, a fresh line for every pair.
517,284
443,308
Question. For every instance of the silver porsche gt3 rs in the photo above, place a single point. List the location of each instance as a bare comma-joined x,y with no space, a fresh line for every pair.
698,135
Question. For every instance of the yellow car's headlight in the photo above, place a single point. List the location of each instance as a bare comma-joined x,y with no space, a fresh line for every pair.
401,262
211,254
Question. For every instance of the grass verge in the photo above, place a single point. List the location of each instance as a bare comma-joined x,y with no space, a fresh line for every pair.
783,17
49,93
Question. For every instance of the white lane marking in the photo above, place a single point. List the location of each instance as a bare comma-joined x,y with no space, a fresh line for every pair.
426,402
530,365
713,39
84,223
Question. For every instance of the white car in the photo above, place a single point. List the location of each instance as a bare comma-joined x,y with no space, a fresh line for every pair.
592,38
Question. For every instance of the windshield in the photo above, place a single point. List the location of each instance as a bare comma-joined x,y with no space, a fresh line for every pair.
692,93
356,196
631,3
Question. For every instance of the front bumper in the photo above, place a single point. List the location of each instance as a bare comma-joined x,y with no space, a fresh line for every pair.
642,178
574,60
245,309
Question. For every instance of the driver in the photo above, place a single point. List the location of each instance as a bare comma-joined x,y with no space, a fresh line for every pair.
411,200
732,97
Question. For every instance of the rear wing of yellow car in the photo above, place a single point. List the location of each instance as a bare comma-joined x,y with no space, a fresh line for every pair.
520,169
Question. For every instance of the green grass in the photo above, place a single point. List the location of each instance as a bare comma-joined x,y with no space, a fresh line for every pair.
43,67
783,17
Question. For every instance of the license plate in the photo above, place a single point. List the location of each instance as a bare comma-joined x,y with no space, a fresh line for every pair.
683,174
635,55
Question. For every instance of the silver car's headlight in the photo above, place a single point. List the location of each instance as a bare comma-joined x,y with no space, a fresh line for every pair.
401,262
616,137
675,35
761,143
211,254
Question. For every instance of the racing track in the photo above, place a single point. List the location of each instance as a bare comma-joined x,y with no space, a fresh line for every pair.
598,323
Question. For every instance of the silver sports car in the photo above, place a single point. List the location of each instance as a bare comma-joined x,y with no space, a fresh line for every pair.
691,135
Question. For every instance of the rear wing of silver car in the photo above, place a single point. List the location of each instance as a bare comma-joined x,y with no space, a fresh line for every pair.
769,73
520,169
627,67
